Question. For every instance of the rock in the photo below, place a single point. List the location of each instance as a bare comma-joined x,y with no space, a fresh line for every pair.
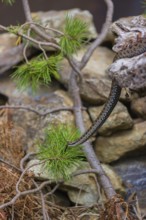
138,107
36,125
56,19
119,144
45,99
95,84
60,99
81,189
7,41
115,178
129,72
118,120
133,173
10,54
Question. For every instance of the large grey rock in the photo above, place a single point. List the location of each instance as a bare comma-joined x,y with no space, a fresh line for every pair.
119,144
10,53
138,106
47,98
118,120
133,173
95,84
56,19
7,41
81,189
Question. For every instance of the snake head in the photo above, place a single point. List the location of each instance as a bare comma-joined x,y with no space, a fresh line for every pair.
130,36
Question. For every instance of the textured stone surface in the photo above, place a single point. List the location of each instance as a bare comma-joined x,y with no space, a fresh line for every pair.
81,189
112,148
7,41
10,53
56,19
95,84
118,120
46,98
133,173
138,106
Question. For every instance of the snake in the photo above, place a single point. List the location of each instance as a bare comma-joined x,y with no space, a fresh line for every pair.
133,48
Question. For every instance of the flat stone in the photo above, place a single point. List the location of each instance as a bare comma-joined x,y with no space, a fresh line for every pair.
95,84
56,19
46,98
118,120
119,144
133,173
81,189
10,53
7,41
138,106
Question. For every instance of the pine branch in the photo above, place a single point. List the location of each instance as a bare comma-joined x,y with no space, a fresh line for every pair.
37,72
75,33
60,161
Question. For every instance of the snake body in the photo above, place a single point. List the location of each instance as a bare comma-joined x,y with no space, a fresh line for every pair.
131,50
108,108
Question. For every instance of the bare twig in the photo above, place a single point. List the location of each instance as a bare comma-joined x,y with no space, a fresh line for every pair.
88,150
54,189
24,172
41,26
101,36
37,42
25,158
12,201
44,212
27,108
26,46
28,17
21,107
26,9
3,28
75,65
12,213
9,164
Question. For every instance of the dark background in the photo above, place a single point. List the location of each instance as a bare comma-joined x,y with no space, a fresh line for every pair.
14,14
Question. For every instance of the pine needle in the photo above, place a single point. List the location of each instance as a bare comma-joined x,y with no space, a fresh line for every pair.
14,29
59,160
75,33
37,72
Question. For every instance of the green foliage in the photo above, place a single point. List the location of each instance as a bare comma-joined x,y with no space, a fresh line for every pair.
14,29
37,72
59,160
144,6
75,33
9,2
